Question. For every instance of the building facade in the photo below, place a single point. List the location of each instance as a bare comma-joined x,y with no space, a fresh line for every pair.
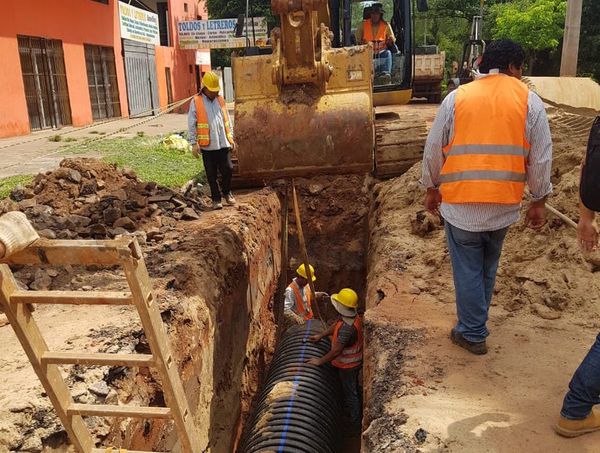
68,62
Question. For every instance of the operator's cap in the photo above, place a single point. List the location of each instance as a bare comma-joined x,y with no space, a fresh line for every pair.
211,82
377,8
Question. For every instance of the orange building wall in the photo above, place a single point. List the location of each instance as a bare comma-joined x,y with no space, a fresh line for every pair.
75,22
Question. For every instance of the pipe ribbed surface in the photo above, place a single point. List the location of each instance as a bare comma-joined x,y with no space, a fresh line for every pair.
299,407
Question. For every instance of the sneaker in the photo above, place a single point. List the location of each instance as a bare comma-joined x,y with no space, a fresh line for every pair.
229,199
574,428
217,205
477,348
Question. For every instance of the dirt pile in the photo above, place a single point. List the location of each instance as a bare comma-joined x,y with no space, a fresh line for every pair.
87,198
544,273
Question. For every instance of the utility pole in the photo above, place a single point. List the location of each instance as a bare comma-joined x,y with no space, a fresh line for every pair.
570,50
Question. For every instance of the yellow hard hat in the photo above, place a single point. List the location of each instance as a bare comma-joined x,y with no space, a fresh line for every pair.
301,271
347,297
211,81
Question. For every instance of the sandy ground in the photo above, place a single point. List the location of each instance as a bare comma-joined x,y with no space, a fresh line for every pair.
544,318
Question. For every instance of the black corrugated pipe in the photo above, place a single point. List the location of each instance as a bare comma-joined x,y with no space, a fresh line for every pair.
298,410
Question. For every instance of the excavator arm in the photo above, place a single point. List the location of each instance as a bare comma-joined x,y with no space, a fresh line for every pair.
306,108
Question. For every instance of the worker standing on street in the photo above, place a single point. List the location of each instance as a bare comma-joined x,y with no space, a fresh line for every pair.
577,415
346,349
489,138
210,133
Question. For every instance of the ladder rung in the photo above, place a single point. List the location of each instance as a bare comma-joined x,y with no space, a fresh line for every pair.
82,358
72,297
106,410
116,450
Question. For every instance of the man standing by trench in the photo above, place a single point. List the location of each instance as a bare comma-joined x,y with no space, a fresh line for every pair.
210,133
489,138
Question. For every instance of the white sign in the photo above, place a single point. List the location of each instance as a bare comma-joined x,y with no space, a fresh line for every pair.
219,33
138,25
203,57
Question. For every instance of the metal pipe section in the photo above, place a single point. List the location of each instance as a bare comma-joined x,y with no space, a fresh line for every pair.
298,410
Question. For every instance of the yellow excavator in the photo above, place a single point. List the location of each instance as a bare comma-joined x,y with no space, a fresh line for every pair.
306,108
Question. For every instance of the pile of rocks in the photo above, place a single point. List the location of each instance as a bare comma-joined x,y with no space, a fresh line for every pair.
87,198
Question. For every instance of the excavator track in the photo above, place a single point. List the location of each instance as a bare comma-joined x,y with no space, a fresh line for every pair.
400,134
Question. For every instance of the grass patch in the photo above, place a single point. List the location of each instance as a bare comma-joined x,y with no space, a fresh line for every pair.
70,139
9,183
55,138
148,158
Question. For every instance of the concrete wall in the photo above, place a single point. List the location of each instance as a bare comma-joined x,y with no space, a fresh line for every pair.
75,22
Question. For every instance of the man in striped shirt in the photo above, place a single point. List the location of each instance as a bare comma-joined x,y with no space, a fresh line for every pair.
489,139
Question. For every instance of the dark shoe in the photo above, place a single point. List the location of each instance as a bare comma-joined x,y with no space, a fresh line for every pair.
477,348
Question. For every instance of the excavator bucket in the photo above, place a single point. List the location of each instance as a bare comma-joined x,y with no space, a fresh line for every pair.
302,129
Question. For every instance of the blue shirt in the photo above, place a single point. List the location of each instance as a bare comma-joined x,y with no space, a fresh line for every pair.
216,124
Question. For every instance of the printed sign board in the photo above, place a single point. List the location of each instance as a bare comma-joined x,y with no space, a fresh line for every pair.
138,25
219,33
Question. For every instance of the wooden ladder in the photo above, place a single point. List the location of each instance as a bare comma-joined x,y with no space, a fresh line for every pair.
15,303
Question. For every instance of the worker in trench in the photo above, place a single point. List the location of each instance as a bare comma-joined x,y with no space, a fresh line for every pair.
298,303
577,415
490,139
346,351
210,134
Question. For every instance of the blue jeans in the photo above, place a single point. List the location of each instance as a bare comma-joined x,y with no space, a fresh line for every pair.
475,258
383,62
349,379
584,388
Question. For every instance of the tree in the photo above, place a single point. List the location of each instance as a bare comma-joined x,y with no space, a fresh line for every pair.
589,45
536,24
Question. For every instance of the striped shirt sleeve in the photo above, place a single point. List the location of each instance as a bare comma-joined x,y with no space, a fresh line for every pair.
539,165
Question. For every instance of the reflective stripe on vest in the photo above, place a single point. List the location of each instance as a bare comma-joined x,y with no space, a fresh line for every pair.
351,356
487,159
299,307
379,40
202,126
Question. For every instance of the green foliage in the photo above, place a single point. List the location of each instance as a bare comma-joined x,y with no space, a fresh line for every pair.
589,45
148,158
535,24
8,184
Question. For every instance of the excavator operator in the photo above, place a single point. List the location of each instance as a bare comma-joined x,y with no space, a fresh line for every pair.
377,31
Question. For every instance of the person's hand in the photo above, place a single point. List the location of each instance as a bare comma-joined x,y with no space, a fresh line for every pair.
433,199
315,338
196,150
234,146
316,362
536,215
390,41
587,235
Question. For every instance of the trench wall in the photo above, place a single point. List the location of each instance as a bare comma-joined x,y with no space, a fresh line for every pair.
216,291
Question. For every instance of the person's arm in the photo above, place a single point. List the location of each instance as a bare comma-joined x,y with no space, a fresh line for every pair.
433,155
192,138
587,230
16,233
289,299
344,337
539,164
327,332
391,39
359,34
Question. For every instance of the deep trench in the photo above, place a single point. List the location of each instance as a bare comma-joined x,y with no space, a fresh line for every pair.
334,214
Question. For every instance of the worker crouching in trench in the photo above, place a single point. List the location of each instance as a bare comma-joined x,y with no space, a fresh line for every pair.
346,352
299,298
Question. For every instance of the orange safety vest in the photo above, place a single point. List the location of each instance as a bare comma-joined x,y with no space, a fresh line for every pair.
379,41
299,307
351,356
486,160
202,127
